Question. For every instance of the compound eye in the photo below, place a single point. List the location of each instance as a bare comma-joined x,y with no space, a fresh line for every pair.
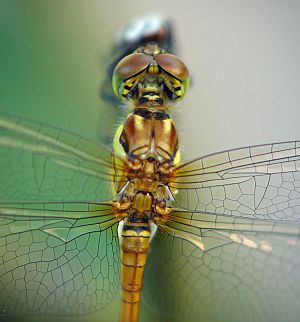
177,72
132,64
129,66
172,65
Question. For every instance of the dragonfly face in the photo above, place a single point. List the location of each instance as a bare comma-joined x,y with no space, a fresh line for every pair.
227,245
150,77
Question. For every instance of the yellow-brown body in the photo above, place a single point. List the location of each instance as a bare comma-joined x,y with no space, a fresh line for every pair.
151,80
150,142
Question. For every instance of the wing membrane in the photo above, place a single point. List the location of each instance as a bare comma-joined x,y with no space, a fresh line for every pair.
57,258
260,182
232,282
40,162
221,263
194,226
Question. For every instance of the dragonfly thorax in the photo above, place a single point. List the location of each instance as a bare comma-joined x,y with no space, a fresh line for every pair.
148,135
146,175
138,201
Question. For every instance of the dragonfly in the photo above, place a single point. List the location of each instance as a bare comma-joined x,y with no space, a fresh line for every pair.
81,222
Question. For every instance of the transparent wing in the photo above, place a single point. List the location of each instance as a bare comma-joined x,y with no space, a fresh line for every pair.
218,268
57,258
40,162
260,181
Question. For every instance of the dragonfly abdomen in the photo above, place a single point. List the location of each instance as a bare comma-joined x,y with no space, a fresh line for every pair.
134,249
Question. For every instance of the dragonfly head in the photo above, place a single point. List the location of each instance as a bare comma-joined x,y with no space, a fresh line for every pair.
150,77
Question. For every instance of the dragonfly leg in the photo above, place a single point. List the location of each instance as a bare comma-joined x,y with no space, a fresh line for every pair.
161,209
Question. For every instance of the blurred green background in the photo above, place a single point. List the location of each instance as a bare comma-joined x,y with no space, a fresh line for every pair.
243,58
53,60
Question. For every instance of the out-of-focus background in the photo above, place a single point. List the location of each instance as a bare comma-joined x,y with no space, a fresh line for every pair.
243,58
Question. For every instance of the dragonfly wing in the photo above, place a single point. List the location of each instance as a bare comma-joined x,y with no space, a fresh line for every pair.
57,258
219,269
40,162
260,181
